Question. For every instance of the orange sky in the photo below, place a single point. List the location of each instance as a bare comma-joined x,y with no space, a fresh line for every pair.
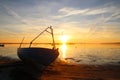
84,21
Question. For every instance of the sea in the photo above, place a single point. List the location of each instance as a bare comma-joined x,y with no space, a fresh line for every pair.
95,54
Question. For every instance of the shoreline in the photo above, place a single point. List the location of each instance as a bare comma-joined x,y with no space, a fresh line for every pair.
11,69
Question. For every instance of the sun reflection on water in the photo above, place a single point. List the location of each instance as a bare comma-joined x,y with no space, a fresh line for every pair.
63,39
63,50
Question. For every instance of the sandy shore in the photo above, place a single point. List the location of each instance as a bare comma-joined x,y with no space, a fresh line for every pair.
16,70
62,71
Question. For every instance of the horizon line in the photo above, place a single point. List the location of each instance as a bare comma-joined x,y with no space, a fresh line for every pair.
64,43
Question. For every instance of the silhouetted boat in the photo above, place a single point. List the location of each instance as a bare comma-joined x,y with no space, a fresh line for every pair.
2,45
36,56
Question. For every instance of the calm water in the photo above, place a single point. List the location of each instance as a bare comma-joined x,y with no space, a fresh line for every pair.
77,53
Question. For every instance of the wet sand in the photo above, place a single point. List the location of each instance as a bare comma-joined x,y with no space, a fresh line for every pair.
62,71
17,70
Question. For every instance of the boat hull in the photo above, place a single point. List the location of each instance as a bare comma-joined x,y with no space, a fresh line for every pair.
38,56
1,45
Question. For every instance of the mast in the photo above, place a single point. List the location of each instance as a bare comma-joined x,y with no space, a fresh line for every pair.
21,42
37,37
54,47
51,32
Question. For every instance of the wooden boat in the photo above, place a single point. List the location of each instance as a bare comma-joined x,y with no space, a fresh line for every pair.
36,56
2,45
43,56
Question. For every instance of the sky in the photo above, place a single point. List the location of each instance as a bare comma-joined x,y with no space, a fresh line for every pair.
83,21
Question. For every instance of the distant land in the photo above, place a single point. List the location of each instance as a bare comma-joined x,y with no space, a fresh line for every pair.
66,43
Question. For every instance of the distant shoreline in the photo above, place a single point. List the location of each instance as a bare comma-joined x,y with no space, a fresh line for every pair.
62,43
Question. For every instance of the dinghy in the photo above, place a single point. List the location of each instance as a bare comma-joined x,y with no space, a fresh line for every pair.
37,56
1,45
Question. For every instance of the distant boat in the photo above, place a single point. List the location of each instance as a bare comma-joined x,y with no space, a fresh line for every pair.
2,45
36,56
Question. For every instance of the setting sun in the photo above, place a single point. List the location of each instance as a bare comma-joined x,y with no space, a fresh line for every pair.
64,38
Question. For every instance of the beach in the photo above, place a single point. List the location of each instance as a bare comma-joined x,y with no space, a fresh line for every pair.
11,69
64,71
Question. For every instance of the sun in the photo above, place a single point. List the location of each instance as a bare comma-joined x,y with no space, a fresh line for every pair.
64,38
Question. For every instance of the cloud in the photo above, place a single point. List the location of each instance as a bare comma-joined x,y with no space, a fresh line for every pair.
106,9
79,17
95,11
15,15
65,12
72,11
113,16
100,17
95,26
